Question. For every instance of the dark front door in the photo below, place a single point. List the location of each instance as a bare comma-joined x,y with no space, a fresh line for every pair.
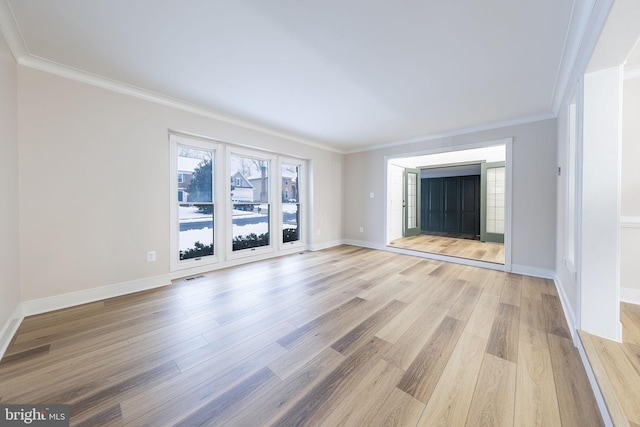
433,204
451,204
470,205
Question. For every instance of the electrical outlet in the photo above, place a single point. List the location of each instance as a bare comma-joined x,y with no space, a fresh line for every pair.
362,229
151,256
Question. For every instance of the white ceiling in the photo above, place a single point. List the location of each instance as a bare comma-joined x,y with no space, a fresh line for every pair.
346,73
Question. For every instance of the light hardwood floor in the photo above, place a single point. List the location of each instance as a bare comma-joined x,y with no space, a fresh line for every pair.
459,248
344,336
617,367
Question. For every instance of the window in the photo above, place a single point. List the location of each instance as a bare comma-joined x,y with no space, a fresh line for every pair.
571,188
229,202
496,183
290,176
193,204
251,207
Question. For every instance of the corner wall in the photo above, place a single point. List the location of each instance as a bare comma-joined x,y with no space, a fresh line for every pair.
630,210
94,186
9,217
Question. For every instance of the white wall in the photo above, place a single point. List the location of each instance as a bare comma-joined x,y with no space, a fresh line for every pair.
395,196
9,237
598,266
630,210
565,274
94,184
534,190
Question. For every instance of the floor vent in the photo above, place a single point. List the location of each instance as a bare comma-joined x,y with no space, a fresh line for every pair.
194,277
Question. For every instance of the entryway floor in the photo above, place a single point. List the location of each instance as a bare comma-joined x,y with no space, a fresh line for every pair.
460,248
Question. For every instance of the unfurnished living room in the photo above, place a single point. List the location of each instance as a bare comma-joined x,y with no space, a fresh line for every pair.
319,213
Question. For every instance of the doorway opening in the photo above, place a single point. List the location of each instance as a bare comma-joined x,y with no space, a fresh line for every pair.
452,205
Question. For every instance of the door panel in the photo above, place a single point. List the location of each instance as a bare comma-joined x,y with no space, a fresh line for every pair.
492,186
411,202
470,205
451,204
434,205
396,202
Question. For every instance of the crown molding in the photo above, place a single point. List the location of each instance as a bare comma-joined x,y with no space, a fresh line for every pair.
568,57
51,67
575,58
632,72
13,36
457,132
11,32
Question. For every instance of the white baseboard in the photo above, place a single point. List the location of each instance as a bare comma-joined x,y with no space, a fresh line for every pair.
594,385
630,222
325,245
365,244
56,302
630,295
446,258
532,271
9,329
568,311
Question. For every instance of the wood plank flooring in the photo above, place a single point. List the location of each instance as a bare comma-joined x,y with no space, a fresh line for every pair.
345,336
617,367
459,248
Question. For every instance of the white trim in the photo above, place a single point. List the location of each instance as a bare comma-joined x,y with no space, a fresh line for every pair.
527,270
450,259
179,274
589,26
630,295
507,142
569,315
11,32
508,204
455,132
10,328
570,177
576,55
567,59
630,222
326,245
427,255
302,202
57,302
227,204
365,244
606,418
176,141
147,95
632,72
577,227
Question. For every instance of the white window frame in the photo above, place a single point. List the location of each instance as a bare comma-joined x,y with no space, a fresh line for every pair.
301,201
261,250
571,186
223,254
176,263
